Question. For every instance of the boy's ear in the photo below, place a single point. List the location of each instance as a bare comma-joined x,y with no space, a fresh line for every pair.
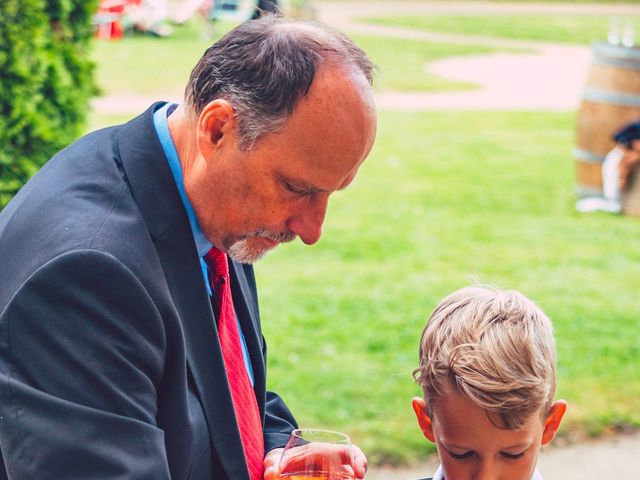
420,408
552,422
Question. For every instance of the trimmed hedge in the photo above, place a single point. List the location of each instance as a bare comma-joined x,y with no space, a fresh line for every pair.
46,83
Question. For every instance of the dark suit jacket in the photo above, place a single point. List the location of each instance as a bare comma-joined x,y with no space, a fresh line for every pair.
110,365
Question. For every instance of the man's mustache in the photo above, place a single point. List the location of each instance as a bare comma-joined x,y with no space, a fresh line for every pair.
282,237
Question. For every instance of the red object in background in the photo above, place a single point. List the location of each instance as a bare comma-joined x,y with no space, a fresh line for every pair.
108,18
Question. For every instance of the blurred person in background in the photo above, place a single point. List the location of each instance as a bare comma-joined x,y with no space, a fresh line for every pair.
266,6
149,16
207,8
189,8
618,171
628,140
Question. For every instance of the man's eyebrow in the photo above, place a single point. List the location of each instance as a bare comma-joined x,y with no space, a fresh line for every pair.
308,187
301,185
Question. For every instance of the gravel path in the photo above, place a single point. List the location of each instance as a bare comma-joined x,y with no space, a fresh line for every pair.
547,77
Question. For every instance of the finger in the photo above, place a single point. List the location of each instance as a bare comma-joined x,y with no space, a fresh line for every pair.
274,455
270,473
360,463
271,461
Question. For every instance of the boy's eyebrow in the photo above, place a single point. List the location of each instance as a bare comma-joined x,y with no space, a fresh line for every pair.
518,446
448,446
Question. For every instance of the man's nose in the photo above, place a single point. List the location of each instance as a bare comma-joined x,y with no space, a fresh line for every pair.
307,223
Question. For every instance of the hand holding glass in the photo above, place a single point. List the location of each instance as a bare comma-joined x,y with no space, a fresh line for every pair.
312,454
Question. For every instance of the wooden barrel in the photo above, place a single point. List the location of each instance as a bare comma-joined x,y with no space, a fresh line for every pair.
611,100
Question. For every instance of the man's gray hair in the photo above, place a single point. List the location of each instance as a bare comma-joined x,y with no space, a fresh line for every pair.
264,67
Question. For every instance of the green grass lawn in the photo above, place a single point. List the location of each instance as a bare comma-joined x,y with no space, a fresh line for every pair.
445,197
145,65
581,29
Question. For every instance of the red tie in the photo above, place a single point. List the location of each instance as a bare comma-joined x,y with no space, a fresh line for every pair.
242,394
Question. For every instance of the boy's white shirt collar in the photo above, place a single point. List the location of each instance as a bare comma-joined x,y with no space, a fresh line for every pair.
440,476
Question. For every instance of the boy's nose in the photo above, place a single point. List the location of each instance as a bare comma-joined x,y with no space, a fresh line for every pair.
486,471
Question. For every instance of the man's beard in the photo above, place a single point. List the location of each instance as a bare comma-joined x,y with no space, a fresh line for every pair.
242,251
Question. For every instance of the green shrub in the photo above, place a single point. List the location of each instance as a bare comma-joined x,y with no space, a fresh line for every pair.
47,81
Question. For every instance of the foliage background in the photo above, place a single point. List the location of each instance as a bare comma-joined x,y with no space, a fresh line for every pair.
47,81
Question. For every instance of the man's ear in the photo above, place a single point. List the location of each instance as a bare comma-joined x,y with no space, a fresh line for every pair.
214,123
420,408
552,422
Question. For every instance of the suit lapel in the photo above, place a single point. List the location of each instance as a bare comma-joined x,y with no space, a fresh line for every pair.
153,187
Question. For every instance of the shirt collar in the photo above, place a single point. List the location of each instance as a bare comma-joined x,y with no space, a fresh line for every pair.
162,128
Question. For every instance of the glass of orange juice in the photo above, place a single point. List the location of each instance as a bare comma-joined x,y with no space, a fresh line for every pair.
315,454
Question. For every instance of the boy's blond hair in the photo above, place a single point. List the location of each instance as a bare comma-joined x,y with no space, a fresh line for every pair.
494,347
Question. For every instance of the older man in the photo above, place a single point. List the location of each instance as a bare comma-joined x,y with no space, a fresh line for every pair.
130,345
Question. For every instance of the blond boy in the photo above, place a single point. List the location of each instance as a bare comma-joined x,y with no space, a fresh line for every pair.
487,371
